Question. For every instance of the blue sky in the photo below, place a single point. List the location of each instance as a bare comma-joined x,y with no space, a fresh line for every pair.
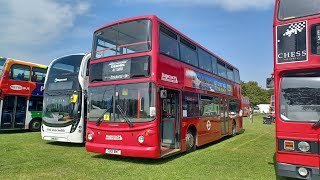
239,31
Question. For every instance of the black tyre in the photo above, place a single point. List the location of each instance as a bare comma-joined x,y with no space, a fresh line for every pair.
190,141
35,125
234,129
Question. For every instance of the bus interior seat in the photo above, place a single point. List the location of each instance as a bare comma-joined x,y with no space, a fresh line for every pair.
20,116
7,118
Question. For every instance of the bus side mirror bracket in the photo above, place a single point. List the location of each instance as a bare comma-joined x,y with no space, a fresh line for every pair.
270,83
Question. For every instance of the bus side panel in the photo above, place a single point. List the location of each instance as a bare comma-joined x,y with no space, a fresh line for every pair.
209,130
204,135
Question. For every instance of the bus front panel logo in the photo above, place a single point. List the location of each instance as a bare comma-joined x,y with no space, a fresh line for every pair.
292,42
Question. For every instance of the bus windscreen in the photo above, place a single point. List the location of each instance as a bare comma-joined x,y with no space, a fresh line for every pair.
289,9
300,97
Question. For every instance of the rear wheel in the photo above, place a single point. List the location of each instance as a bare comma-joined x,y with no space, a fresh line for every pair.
234,129
35,125
190,141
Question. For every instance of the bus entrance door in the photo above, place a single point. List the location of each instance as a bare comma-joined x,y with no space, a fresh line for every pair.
170,122
224,116
14,112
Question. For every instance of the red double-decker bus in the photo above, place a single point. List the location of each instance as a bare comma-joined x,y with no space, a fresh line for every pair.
245,106
154,92
297,87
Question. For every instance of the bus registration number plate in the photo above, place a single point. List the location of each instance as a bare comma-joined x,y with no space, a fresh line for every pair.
113,151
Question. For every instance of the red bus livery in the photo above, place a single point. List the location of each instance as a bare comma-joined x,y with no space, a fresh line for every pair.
297,87
154,92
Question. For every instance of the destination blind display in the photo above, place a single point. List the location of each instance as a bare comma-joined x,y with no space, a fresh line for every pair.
292,42
120,69
115,70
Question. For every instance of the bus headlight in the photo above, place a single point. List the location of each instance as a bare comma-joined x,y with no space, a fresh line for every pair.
90,137
304,146
141,139
303,172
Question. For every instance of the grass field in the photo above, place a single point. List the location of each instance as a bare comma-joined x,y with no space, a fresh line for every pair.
23,155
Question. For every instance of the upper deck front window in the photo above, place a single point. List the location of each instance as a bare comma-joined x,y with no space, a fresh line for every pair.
290,9
124,38
63,73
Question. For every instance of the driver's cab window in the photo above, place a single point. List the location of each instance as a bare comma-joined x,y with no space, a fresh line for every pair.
20,72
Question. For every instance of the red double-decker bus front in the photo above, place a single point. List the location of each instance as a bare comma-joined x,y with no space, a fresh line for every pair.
150,95
297,87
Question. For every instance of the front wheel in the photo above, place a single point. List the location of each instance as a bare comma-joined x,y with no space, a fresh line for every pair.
35,125
190,141
234,129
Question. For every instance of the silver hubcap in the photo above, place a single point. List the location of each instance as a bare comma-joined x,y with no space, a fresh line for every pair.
190,140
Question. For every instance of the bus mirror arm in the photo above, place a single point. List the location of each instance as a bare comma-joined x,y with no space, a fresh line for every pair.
316,125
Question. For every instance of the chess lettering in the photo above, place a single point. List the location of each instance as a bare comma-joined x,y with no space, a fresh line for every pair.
292,54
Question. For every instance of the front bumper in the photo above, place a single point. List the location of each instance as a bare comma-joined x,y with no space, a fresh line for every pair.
130,151
290,170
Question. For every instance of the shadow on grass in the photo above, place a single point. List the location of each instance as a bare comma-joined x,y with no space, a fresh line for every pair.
66,144
220,140
14,131
274,164
139,160
157,161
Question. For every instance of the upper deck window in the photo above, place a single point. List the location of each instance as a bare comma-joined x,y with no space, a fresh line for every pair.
236,76
205,60
222,69
63,73
20,72
214,64
169,44
188,52
230,73
289,9
38,75
124,38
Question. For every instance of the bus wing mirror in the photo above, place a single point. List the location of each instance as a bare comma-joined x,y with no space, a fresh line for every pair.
163,94
270,83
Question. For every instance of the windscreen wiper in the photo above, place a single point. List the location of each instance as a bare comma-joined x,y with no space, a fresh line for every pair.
100,118
316,125
124,116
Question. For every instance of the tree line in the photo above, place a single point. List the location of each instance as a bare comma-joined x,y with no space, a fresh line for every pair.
255,93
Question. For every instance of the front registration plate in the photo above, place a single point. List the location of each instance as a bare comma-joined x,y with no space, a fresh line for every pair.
113,151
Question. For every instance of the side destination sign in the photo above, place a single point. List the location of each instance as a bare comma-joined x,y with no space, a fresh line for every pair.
202,81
